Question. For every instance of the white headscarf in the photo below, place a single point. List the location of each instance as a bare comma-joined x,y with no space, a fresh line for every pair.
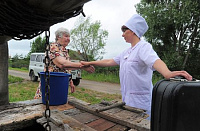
137,24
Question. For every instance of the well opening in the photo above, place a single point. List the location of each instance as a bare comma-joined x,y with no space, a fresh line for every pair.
32,126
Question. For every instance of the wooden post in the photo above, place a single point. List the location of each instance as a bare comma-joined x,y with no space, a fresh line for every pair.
4,97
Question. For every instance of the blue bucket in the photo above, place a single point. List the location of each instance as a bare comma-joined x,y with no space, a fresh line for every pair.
59,83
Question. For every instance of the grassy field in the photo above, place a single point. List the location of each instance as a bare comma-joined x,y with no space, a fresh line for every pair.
21,90
13,79
101,77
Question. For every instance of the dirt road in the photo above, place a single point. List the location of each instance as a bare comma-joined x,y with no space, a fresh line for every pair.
23,75
104,87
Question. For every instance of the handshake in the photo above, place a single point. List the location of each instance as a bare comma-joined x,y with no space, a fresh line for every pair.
87,66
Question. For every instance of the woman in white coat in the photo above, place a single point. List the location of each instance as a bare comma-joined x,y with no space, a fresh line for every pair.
137,64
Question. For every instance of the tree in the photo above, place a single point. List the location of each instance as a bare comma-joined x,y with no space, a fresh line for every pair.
89,39
18,61
155,1
38,45
174,29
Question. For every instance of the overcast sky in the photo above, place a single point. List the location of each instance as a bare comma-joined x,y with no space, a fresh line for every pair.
111,13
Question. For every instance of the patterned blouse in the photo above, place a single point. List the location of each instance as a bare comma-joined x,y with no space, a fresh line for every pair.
56,50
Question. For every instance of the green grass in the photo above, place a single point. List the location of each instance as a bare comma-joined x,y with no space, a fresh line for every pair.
13,79
113,78
156,77
21,90
94,97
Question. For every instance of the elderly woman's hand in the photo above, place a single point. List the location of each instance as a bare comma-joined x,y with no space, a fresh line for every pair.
72,86
87,66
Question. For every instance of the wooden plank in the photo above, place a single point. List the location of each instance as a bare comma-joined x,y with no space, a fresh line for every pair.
24,113
110,107
67,120
41,120
85,117
130,116
136,110
101,124
61,107
60,122
113,111
118,128
111,117
95,106
72,112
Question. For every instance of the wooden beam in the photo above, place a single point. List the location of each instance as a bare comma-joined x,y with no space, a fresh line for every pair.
61,122
111,106
112,117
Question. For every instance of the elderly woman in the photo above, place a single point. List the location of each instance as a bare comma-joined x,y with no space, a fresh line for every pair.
60,59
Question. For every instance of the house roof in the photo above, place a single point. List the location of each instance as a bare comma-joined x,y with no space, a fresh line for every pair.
25,19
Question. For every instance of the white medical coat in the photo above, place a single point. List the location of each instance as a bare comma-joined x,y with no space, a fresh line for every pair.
136,70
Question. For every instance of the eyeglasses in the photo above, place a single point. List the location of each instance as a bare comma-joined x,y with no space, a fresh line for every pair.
124,29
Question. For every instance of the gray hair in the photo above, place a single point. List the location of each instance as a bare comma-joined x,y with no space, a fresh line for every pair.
60,31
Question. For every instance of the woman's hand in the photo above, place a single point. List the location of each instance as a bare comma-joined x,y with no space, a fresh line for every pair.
162,68
85,63
178,73
87,67
72,86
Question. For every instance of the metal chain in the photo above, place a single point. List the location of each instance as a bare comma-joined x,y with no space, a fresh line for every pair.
47,87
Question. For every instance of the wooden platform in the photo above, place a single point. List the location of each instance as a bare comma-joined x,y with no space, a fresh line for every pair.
76,115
